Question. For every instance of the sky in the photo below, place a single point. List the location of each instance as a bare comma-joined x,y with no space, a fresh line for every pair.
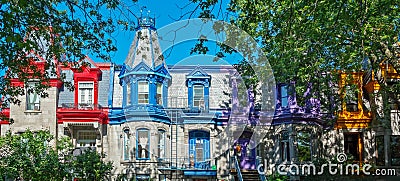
165,13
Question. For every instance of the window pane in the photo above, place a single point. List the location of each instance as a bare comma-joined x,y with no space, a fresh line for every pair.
159,93
85,92
126,145
198,96
143,92
284,96
143,143
143,86
32,98
128,93
161,144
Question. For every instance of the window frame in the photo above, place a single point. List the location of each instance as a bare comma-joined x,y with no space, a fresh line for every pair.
86,94
146,92
285,147
147,152
128,93
125,149
161,143
36,102
159,93
201,103
91,142
284,97
352,99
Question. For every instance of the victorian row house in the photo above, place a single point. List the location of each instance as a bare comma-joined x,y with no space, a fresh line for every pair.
190,122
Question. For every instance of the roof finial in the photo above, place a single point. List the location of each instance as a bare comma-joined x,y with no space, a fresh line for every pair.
145,20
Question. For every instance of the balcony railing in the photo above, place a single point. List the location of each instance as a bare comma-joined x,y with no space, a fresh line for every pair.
184,163
81,106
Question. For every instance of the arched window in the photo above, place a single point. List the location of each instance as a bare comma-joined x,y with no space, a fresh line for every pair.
143,144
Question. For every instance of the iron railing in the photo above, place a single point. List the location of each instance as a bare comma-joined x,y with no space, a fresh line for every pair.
81,106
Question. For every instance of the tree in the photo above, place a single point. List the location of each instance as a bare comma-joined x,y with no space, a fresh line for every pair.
54,31
32,155
310,41
90,166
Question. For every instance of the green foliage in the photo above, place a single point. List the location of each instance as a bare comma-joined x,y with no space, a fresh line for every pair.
29,155
310,41
53,31
89,166
304,147
278,177
32,156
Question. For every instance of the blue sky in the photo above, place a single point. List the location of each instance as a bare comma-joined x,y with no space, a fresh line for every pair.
165,12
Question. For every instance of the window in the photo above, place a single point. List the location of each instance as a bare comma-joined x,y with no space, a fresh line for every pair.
143,144
380,149
395,150
198,96
128,93
304,146
143,92
159,94
284,147
86,139
351,99
284,95
161,143
85,94
126,144
32,98
351,146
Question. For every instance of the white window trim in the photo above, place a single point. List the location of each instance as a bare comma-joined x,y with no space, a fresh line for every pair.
138,92
80,93
32,84
193,95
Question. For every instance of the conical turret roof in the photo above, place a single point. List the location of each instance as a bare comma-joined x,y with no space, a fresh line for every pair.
145,46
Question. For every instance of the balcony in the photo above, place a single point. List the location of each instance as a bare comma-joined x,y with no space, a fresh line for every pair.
81,106
71,112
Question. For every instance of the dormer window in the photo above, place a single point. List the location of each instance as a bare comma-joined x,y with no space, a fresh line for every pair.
198,96
85,94
198,83
284,95
143,92
351,100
